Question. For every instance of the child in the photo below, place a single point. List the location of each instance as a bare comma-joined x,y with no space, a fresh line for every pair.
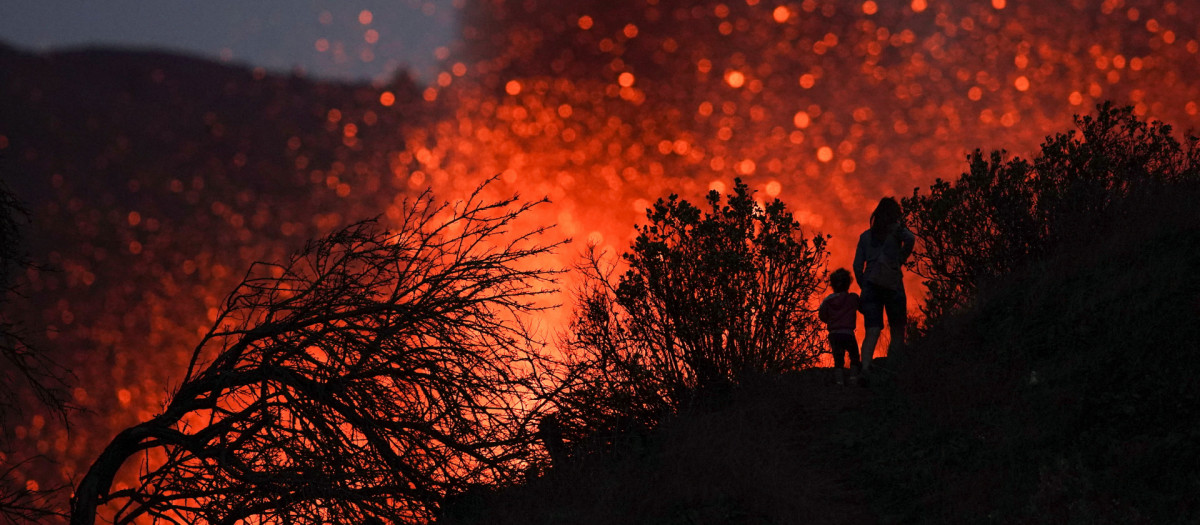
839,312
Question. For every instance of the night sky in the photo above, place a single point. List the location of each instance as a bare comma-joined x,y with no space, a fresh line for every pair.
276,34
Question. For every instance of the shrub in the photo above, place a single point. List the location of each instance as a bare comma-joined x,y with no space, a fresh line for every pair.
1004,213
710,297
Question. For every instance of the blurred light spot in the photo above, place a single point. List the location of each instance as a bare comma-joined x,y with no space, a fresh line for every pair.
716,186
918,5
513,87
807,80
1021,83
585,22
869,7
975,93
365,17
825,154
735,78
626,79
998,4
322,45
325,18
387,98
124,396
781,14
774,188
630,31
801,119
371,36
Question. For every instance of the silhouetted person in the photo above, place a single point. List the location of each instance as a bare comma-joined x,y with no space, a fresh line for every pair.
878,262
550,432
839,312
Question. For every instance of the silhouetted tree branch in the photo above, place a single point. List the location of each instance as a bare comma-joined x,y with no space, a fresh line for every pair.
364,379
25,373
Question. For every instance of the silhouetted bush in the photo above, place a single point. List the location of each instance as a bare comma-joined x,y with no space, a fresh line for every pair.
1003,213
710,297
361,381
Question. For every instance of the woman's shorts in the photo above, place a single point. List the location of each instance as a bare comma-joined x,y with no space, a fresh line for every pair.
876,300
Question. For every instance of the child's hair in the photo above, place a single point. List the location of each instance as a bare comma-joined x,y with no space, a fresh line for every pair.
840,280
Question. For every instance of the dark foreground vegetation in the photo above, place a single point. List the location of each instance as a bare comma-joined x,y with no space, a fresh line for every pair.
1054,382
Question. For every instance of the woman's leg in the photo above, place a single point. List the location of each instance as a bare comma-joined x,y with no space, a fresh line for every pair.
872,308
897,314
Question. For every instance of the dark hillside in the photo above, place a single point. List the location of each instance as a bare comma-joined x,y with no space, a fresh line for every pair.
1066,394
153,180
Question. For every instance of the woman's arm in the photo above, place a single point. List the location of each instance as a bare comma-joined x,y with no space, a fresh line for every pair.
860,261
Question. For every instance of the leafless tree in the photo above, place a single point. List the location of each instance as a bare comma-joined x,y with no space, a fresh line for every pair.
25,373
371,375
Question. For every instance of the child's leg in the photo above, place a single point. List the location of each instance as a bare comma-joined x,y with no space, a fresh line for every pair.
852,348
837,347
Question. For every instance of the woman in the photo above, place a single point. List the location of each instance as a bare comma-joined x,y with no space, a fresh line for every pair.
878,262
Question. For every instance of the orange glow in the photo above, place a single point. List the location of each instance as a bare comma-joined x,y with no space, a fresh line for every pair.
735,78
826,105
801,119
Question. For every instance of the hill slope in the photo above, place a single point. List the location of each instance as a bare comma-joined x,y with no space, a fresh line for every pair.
1067,394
